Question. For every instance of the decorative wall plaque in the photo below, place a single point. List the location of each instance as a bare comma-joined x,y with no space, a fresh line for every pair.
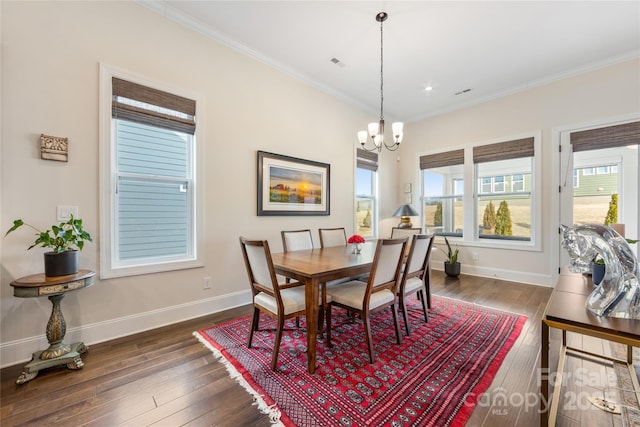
54,148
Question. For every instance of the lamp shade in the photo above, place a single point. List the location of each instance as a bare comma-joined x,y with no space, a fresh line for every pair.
406,210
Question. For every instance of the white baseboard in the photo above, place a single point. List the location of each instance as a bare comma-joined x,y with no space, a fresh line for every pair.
20,351
509,275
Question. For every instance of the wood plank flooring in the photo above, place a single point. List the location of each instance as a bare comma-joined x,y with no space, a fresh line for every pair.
165,377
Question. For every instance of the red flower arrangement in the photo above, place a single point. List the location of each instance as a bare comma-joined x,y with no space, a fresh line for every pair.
356,238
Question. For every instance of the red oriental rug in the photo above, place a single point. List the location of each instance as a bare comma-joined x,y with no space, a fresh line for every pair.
433,379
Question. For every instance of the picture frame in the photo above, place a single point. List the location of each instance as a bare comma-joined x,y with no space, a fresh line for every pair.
288,186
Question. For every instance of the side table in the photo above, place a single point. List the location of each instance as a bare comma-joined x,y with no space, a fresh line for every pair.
54,287
566,311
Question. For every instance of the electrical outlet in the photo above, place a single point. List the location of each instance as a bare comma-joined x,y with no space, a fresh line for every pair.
206,283
63,213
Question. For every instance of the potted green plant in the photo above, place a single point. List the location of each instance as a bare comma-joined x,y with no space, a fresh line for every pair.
598,268
451,265
65,241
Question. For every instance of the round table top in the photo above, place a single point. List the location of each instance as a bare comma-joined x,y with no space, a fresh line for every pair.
38,280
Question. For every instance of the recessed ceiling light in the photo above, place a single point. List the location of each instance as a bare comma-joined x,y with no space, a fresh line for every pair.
428,88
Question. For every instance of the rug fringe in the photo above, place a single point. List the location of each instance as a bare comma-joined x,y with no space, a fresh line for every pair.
272,411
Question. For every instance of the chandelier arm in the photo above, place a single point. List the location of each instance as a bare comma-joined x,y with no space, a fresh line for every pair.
375,148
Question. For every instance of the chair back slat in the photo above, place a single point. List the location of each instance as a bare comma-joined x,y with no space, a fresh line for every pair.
296,240
418,259
397,232
257,257
332,237
419,255
387,263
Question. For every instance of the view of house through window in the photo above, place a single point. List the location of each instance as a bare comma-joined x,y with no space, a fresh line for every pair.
504,208
502,204
597,187
150,200
599,178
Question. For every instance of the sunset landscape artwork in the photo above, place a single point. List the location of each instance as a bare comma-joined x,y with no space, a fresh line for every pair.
294,186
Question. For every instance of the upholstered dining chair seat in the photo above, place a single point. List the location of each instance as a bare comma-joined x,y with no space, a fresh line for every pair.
352,294
293,300
413,285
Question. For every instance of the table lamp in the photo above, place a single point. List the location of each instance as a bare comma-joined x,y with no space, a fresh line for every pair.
404,212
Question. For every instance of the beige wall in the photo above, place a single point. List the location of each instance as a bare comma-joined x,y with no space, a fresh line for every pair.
593,98
50,61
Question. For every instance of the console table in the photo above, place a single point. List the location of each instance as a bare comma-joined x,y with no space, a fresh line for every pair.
54,288
566,311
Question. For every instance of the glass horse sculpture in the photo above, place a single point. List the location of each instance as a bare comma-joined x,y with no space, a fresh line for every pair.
618,295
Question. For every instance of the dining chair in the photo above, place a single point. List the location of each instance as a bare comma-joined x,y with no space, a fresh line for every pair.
332,237
415,276
398,232
279,300
296,240
378,293
299,240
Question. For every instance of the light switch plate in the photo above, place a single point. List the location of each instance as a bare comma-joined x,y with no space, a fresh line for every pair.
63,213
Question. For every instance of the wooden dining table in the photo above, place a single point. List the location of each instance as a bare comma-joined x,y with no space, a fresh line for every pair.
315,266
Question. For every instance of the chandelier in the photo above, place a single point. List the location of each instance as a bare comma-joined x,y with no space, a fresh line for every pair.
376,130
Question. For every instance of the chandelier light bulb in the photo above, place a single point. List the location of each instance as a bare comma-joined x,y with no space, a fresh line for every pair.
397,128
362,136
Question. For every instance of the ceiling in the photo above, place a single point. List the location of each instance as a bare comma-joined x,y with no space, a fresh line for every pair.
467,51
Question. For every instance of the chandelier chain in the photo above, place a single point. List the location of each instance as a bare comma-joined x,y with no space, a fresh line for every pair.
381,73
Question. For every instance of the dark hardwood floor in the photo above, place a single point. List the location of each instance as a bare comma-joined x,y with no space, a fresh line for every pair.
166,377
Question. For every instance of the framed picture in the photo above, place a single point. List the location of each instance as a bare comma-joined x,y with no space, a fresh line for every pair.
291,186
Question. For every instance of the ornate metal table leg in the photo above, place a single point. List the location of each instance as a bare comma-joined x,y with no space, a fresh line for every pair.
56,329
58,353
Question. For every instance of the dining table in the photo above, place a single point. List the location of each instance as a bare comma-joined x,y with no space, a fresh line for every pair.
316,266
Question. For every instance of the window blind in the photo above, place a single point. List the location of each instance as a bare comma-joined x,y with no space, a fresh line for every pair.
506,150
606,137
448,158
367,160
145,105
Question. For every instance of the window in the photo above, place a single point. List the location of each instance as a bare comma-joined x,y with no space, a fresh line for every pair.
366,193
443,192
576,178
517,182
612,153
486,184
498,184
149,187
588,171
501,214
485,194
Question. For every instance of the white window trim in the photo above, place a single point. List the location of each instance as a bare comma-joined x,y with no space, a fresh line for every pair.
107,183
